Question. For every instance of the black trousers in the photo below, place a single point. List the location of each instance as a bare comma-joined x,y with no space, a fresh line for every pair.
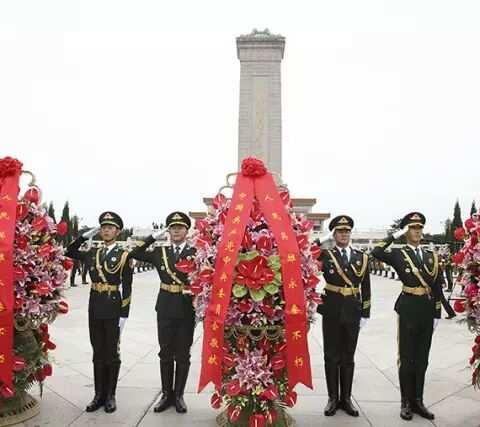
175,337
340,336
104,337
414,342
446,305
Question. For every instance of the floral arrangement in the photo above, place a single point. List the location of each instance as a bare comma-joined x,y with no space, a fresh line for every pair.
39,271
254,369
468,260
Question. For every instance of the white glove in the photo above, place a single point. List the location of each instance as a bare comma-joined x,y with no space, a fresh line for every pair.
326,238
89,234
158,234
435,323
121,323
400,233
363,322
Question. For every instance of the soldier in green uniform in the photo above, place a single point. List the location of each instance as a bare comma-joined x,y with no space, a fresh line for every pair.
175,313
418,308
345,310
108,306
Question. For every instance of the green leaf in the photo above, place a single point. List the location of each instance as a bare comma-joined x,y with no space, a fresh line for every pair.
239,290
257,294
247,256
271,288
274,262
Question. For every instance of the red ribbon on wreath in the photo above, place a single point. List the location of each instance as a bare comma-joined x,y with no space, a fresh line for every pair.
10,170
255,181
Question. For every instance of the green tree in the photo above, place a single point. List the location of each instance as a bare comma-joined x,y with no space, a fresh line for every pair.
473,209
457,216
74,227
51,211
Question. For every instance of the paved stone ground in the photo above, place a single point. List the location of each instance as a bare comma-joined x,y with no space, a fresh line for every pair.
375,390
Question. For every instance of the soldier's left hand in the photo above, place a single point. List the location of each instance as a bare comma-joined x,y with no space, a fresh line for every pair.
435,323
363,322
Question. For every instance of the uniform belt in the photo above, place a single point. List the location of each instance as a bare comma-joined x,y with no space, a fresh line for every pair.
174,289
104,287
342,290
417,290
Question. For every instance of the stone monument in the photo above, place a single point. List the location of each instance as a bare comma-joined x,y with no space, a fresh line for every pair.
260,114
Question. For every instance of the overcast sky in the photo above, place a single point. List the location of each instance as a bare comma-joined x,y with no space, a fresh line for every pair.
133,106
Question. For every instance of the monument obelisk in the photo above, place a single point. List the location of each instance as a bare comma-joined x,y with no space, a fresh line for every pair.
260,114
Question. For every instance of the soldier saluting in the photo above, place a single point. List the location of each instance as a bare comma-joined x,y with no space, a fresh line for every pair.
108,305
175,313
418,308
345,310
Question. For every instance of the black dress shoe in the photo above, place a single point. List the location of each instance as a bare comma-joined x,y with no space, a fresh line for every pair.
180,405
96,403
420,409
451,316
331,407
347,405
406,411
164,403
110,404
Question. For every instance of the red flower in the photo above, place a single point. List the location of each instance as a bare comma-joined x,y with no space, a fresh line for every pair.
67,264
43,289
18,363
22,211
459,306
185,266
6,392
245,306
47,370
290,399
253,167
22,242
477,339
62,307
285,196
306,225
45,250
270,393
254,273
315,251
219,200
257,420
233,388
234,413
459,233
268,310
32,195
469,224
19,273
9,166
229,360
247,241
39,224
62,228
271,416
40,375
458,258
256,213
264,243
311,281
216,401
201,225
302,241
277,362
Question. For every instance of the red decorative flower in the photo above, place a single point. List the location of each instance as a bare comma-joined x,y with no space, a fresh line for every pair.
270,393
45,250
459,306
271,415
47,370
22,211
185,265
459,233
6,392
216,401
264,243
277,362
33,195
233,388
253,167
234,413
290,399
9,166
62,228
458,258
254,273
22,242
257,420
201,225
67,264
39,224
18,363
469,224
62,307
219,200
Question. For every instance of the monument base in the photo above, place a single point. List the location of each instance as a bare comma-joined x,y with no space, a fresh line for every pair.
18,409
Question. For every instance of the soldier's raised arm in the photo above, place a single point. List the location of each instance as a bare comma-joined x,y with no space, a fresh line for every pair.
140,252
73,249
380,250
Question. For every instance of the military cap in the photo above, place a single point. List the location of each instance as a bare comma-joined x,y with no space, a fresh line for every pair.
178,218
110,218
341,222
413,218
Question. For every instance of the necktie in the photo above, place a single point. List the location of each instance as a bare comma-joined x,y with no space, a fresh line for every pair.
344,256
177,253
419,255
